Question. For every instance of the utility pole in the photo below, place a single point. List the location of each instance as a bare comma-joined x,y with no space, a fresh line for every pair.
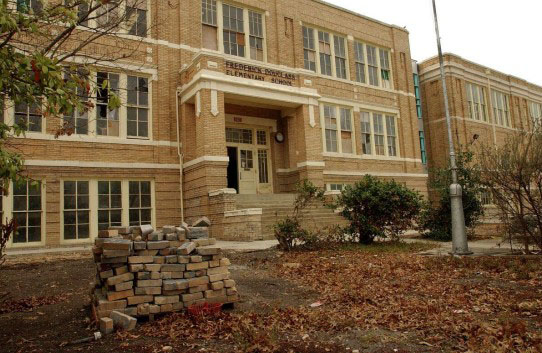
460,245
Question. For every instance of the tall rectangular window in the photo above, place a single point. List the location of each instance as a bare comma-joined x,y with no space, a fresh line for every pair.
109,204
107,121
422,147
331,128
209,24
29,6
378,128
372,65
140,203
535,112
263,173
77,121
325,53
385,68
340,56
309,50
234,33
256,35
476,102
76,211
138,107
108,14
391,135
346,130
417,93
136,17
28,116
27,212
501,110
359,56
366,132
82,14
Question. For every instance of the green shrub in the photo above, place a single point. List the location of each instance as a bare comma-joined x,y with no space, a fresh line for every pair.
436,217
378,208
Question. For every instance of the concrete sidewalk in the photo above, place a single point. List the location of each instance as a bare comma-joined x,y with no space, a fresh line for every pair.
485,247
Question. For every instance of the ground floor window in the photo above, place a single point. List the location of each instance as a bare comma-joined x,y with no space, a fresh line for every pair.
76,210
140,202
262,167
109,204
27,211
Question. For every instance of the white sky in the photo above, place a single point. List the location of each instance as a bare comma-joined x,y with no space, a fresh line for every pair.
504,35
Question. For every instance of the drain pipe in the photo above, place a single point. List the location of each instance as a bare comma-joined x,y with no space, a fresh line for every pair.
179,153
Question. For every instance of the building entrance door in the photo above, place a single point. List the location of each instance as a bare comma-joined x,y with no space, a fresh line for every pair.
247,172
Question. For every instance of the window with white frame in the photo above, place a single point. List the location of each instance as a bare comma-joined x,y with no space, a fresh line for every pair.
137,110
108,14
501,108
256,38
379,134
535,111
391,136
30,6
107,121
329,57
372,65
346,130
29,117
359,57
486,197
209,23
76,212
340,56
309,50
336,187
82,14
27,212
366,134
330,119
476,101
109,204
385,71
140,203
136,17
324,45
77,121
234,31
338,133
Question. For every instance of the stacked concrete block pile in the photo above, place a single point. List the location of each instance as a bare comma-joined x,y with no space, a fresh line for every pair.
142,272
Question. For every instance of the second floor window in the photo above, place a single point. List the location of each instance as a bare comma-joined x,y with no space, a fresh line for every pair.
234,33
372,65
325,53
309,50
256,35
535,112
385,71
136,17
324,45
209,24
28,116
501,108
359,57
107,121
476,101
340,56
138,107
27,6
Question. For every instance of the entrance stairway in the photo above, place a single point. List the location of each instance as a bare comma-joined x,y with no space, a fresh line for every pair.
276,207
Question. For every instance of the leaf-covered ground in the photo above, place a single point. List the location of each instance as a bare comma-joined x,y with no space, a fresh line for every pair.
378,299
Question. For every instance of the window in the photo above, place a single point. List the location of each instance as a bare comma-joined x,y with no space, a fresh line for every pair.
476,101
76,210
422,147
340,56
82,13
140,202
486,197
535,111
108,15
107,121
234,37
109,204
77,121
346,130
360,62
330,128
372,65
28,116
262,167
378,126
501,112
261,137
138,107
324,45
209,24
391,135
366,133
136,17
256,35
27,6
309,51
247,159
336,187
27,212
239,135
418,95
385,68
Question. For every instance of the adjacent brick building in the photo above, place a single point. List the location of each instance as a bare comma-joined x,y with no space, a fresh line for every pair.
253,96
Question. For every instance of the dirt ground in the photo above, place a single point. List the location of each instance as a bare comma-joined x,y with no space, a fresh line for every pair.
371,301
